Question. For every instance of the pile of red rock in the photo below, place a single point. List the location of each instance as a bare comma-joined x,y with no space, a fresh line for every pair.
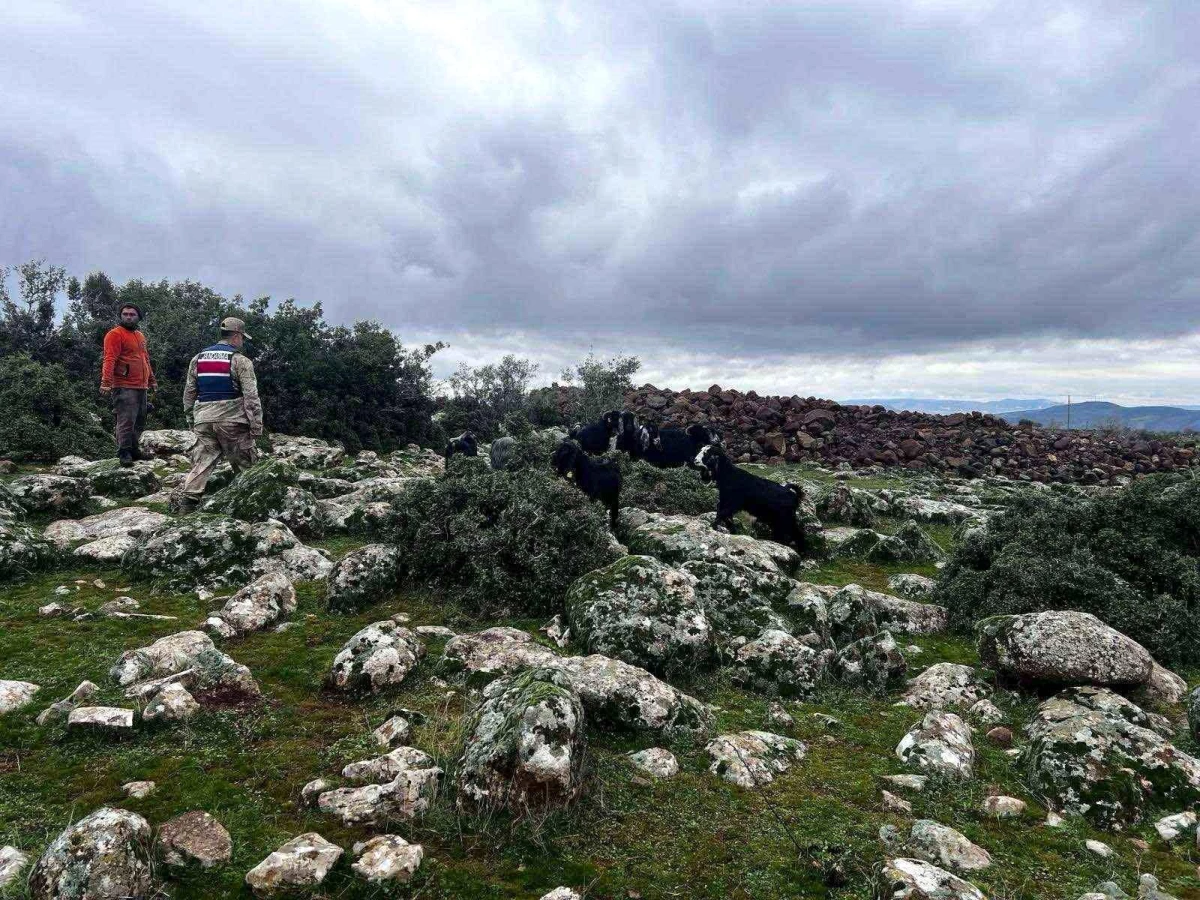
791,429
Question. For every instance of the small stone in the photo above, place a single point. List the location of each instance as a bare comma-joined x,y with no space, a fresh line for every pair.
401,618
62,591
194,837
1099,848
907,782
219,627
434,631
1169,828
1001,736
388,858
892,803
138,790
53,610
1139,844
1054,820
173,703
15,694
779,717
1004,807
751,759
986,712
120,604
12,861
394,732
656,762
314,789
943,846
302,862
828,722
100,718
62,708
562,893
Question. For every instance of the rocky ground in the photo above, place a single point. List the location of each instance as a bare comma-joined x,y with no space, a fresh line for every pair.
247,702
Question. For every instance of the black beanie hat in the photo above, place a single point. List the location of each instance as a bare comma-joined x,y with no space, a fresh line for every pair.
125,306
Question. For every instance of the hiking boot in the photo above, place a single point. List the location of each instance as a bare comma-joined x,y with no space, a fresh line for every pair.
126,459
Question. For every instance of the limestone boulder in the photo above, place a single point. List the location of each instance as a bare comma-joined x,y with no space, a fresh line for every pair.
56,495
363,577
943,846
944,686
103,856
778,664
194,838
379,656
751,759
524,749
263,602
300,864
388,858
643,612
915,879
940,745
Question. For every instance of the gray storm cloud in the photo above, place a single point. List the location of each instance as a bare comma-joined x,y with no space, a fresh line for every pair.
730,180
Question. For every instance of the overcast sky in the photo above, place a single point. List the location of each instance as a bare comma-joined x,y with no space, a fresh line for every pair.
853,198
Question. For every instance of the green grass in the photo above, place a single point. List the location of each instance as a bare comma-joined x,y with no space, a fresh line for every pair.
694,836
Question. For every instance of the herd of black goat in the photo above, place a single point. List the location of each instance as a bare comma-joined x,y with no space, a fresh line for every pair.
698,447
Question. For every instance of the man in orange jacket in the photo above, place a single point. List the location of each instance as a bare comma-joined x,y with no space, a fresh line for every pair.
126,377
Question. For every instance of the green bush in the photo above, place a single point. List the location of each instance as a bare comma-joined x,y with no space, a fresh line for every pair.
507,543
668,491
1129,558
43,416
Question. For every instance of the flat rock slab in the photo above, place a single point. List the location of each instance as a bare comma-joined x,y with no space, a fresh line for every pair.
194,838
100,718
303,862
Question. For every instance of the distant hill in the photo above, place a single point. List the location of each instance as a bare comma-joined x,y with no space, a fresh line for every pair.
946,407
1097,413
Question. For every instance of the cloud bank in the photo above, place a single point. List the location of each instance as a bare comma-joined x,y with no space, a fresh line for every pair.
825,198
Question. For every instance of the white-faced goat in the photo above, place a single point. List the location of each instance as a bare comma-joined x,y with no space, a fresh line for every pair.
600,479
596,437
669,448
773,504
463,445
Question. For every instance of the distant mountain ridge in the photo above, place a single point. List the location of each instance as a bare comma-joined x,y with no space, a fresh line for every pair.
1097,413
947,407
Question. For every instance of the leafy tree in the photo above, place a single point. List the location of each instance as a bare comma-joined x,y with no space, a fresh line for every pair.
603,384
28,325
485,396
44,417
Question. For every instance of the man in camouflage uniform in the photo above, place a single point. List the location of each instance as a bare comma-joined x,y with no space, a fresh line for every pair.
222,406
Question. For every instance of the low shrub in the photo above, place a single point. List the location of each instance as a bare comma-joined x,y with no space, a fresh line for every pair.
507,543
668,491
44,415
1129,558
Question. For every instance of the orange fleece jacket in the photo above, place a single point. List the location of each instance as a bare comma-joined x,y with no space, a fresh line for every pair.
126,360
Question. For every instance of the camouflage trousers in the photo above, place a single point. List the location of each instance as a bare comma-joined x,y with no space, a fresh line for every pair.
231,441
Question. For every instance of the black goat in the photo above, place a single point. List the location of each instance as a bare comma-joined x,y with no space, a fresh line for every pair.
667,448
771,503
464,445
600,479
596,437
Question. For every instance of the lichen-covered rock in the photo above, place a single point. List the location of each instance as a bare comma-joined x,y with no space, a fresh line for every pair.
944,512
60,709
166,656
128,521
1091,752
297,563
643,612
108,478
379,656
16,694
854,613
776,663
1062,647
808,606
388,858
1163,686
363,577
915,879
194,838
103,856
846,506
54,494
406,796
943,846
365,508
173,703
679,539
22,549
872,663
912,587
940,744
656,762
259,604
613,692
109,719
303,862
383,769
268,490
167,442
306,452
945,685
739,601
524,749
753,758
